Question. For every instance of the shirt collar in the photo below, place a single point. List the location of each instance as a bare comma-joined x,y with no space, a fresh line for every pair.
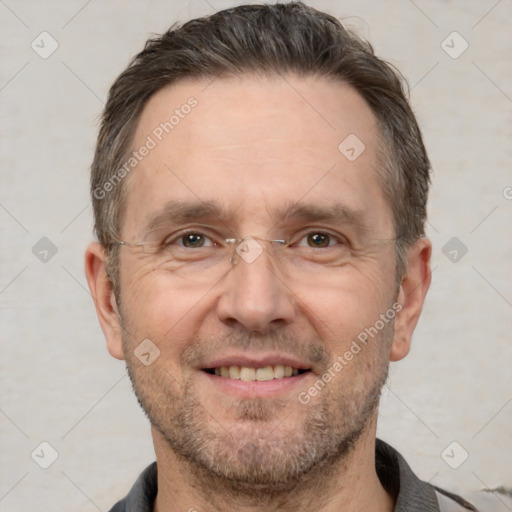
410,493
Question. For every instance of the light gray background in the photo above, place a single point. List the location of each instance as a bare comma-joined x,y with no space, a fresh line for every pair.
57,382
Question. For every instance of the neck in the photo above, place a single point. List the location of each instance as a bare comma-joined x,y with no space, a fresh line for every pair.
348,484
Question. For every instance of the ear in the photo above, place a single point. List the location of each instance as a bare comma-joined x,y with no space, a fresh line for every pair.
104,299
411,296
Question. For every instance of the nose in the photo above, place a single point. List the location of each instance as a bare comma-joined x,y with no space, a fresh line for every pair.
255,295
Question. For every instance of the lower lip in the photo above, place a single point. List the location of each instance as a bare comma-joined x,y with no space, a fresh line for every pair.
255,388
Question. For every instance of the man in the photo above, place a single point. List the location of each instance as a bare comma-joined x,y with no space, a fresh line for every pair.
259,189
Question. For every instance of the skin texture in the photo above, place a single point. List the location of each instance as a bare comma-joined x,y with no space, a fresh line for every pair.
256,146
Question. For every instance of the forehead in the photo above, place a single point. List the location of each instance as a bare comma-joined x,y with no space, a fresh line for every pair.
253,143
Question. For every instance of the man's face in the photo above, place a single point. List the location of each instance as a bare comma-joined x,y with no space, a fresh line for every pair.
265,152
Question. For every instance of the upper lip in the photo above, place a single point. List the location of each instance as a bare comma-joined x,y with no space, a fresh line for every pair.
257,360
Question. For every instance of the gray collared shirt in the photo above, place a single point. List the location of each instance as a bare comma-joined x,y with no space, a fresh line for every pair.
410,493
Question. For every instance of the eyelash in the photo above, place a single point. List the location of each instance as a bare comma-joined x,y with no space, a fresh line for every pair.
172,239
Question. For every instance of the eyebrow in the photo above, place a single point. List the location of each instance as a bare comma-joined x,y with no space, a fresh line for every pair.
332,213
178,212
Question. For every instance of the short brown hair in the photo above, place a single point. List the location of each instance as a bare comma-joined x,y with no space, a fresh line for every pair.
270,39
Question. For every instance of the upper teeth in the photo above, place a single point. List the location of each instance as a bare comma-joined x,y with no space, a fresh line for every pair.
247,374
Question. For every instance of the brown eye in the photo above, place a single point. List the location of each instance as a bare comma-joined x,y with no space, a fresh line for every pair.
193,240
318,240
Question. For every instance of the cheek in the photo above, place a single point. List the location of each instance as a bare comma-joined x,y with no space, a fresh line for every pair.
158,308
349,305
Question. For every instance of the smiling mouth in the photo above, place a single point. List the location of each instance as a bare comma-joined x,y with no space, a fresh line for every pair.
248,374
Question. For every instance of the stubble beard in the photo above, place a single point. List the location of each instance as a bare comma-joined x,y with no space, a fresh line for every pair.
251,458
